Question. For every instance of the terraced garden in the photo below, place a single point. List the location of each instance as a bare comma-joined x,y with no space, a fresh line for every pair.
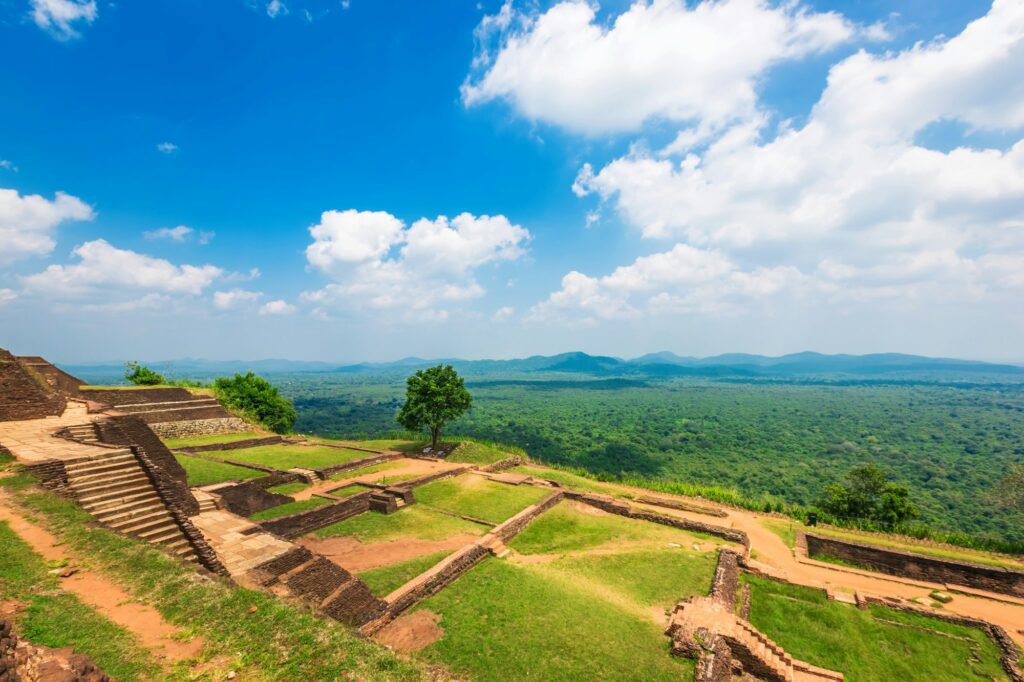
206,472
479,498
289,456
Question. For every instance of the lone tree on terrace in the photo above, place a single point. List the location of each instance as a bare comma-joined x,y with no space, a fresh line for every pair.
434,397
142,376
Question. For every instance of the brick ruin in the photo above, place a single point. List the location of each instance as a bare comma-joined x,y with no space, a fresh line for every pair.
25,393
23,660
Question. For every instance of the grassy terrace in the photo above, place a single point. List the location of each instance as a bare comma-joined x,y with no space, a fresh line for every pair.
786,529
571,480
873,644
478,497
244,630
415,522
214,439
383,581
288,456
290,508
366,471
204,472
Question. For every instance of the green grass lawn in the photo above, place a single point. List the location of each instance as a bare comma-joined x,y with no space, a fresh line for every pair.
204,472
287,456
57,619
290,508
567,529
386,579
288,488
478,452
861,645
507,622
365,471
212,439
255,634
480,498
570,480
417,522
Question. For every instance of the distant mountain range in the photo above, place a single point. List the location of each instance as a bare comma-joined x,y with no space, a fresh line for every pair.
661,364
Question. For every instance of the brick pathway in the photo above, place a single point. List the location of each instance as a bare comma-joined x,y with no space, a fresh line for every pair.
33,441
240,553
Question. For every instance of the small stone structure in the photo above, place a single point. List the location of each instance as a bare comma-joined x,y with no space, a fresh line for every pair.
23,661
918,566
296,525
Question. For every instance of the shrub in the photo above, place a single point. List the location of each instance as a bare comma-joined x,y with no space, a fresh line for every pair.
142,376
257,399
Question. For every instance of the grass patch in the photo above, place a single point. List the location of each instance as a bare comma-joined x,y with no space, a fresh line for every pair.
348,490
567,529
477,452
504,622
480,498
365,471
290,508
836,636
570,480
57,619
396,444
205,472
416,522
211,439
288,456
288,488
784,528
386,579
244,630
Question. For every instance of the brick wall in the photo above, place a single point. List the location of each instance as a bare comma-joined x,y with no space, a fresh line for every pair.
24,393
327,472
299,524
51,473
517,523
135,396
727,579
250,497
200,426
23,660
234,445
917,566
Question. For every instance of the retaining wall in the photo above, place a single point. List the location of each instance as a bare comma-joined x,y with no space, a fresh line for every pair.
680,505
234,445
515,525
249,497
327,472
52,474
299,524
207,422
726,582
918,566
24,393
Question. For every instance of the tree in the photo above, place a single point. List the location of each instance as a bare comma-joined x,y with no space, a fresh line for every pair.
258,399
434,397
1010,491
868,494
142,376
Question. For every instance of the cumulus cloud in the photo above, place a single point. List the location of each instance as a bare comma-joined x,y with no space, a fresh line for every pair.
503,313
6,296
379,263
167,147
105,269
8,165
27,222
277,307
234,298
276,8
852,199
180,234
661,59
60,17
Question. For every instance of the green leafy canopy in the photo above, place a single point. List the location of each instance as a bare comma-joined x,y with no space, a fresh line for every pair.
258,399
433,398
142,376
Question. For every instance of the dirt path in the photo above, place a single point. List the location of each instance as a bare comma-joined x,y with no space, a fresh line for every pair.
411,631
355,556
142,620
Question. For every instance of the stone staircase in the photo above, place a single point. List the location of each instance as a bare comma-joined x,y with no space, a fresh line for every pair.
115,489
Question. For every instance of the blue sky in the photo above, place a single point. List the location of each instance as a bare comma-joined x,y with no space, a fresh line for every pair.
314,179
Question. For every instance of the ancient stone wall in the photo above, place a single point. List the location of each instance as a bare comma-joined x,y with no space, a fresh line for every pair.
507,463
517,523
136,396
726,582
52,474
436,476
234,445
21,660
182,425
714,662
327,472
680,505
55,376
299,524
24,393
917,566
249,497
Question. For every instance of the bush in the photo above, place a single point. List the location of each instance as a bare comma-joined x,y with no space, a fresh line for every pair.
257,399
142,376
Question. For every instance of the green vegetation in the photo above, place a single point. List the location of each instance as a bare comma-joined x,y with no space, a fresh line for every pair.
365,471
386,579
566,528
1010,491
288,488
288,456
257,399
479,498
142,376
779,443
902,646
214,439
867,494
205,472
507,622
415,522
244,630
482,452
56,618
433,398
290,508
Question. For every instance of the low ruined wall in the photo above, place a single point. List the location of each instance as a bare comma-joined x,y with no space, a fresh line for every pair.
507,463
430,478
135,396
727,579
23,660
917,566
52,474
250,497
680,505
714,663
517,523
308,521
24,393
456,565
613,506
327,472
234,445
183,424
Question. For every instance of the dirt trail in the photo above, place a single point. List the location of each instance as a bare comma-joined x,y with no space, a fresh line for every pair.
142,620
355,556
411,631
774,553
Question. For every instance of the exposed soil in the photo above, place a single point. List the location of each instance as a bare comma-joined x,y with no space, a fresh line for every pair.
411,631
144,621
409,466
355,556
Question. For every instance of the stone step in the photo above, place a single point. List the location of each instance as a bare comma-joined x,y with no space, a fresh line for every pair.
99,481
79,467
143,522
111,469
132,507
91,492
117,499
161,535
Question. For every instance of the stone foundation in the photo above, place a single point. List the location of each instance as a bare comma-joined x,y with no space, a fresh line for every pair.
22,660
199,427
299,524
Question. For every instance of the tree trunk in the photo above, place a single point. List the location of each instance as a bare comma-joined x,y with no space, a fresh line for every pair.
435,437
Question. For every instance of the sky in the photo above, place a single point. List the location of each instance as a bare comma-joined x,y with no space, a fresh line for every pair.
364,180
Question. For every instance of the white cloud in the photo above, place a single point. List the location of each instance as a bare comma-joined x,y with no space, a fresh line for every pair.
852,199
104,269
225,300
180,234
59,17
277,307
8,165
27,222
378,263
503,313
276,8
659,59
167,147
7,295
